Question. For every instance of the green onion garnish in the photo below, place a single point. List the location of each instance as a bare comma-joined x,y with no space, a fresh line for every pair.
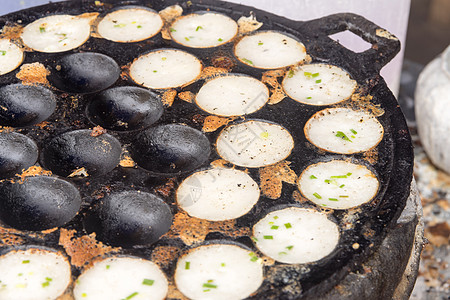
172,29
121,25
25,261
148,281
132,295
220,39
247,61
333,199
48,279
271,223
84,295
287,225
289,247
107,267
260,43
315,75
312,177
291,73
210,285
268,237
341,186
317,196
20,274
3,52
318,80
349,174
307,74
139,26
254,239
342,135
186,38
155,71
339,176
45,284
308,97
198,27
282,253
275,217
253,256
222,264
41,29
274,227
353,131
343,196
187,265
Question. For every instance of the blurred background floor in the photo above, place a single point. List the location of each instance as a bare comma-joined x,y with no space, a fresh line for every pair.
428,35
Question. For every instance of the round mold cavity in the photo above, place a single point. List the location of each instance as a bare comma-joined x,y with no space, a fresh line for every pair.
165,68
232,95
11,56
254,143
130,24
218,194
344,130
219,271
170,149
71,151
269,50
34,273
338,184
17,152
121,277
203,30
129,218
38,203
296,235
125,108
86,72
58,33
318,84
25,105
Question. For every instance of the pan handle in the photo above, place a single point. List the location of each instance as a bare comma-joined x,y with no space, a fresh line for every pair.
384,45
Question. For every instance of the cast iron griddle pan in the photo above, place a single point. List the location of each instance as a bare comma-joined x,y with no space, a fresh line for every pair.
393,165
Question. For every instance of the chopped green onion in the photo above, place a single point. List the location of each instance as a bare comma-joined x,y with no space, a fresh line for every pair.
186,38
48,279
220,39
341,186
318,80
333,199
222,264
332,181
163,58
139,26
84,295
339,176
247,61
253,256
349,174
172,29
343,196
155,71
353,131
282,253
132,295
107,267
121,25
148,281
20,274
275,217
307,74
289,247
45,284
342,135
287,225
308,97
315,75
274,227
271,223
41,29
317,196
207,290
268,237
254,239
3,52
25,261
187,265
210,285
312,177
198,27
260,43
291,73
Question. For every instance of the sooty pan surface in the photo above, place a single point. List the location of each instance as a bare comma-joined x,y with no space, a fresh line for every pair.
393,162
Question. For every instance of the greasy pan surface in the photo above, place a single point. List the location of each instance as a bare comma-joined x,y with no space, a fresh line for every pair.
393,162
